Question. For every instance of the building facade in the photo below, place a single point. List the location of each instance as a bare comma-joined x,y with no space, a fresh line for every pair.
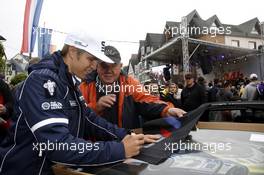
247,36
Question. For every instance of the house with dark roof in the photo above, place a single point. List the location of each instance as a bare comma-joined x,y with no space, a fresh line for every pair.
152,42
17,64
141,49
133,61
245,35
211,44
2,38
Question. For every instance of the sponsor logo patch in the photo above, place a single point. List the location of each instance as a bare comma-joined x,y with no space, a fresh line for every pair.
45,106
51,105
73,103
50,87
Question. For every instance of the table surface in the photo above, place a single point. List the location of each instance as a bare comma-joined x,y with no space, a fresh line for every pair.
221,152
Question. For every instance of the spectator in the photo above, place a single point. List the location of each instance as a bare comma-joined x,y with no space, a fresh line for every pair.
119,98
193,95
201,81
210,85
152,87
173,95
225,94
260,91
242,90
6,108
250,89
213,91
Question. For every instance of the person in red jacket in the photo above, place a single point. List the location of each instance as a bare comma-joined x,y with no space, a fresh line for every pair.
121,99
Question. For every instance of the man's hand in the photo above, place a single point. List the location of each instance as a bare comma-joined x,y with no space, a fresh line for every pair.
105,102
151,138
132,144
177,112
2,109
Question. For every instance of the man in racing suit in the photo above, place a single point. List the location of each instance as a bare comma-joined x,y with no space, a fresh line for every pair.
51,123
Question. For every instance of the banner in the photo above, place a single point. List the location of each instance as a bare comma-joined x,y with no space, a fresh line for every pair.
44,39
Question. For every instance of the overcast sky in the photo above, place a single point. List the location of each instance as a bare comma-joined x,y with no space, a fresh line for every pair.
118,20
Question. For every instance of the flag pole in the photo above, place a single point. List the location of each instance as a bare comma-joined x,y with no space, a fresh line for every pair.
29,55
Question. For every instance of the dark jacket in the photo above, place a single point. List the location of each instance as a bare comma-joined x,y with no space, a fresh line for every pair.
6,99
131,103
212,93
224,95
193,97
169,97
50,122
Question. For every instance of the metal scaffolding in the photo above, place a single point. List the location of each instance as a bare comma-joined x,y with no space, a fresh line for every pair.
185,48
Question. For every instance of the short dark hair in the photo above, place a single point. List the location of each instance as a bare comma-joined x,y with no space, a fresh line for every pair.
216,81
200,79
227,84
64,50
172,84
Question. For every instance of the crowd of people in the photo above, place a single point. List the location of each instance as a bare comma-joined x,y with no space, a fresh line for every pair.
198,91
81,96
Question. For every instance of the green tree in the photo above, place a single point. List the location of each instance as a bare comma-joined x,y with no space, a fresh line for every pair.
2,50
18,78
2,60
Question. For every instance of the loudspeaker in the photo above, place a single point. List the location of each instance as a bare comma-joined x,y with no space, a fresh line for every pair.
166,72
206,64
261,48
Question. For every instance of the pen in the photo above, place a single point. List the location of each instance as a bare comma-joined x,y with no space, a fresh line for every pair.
2,120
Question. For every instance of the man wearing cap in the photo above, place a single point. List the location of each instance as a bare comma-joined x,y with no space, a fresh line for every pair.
251,88
192,95
51,117
119,99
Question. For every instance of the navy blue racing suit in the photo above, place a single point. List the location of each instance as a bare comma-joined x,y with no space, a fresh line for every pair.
50,123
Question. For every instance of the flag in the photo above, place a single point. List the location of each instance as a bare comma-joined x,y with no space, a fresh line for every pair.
30,27
44,39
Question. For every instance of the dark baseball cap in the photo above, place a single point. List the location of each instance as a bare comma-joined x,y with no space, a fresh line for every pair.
112,53
189,76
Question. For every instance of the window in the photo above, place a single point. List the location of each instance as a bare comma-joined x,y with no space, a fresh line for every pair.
142,51
148,50
254,31
252,45
213,28
137,68
235,43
